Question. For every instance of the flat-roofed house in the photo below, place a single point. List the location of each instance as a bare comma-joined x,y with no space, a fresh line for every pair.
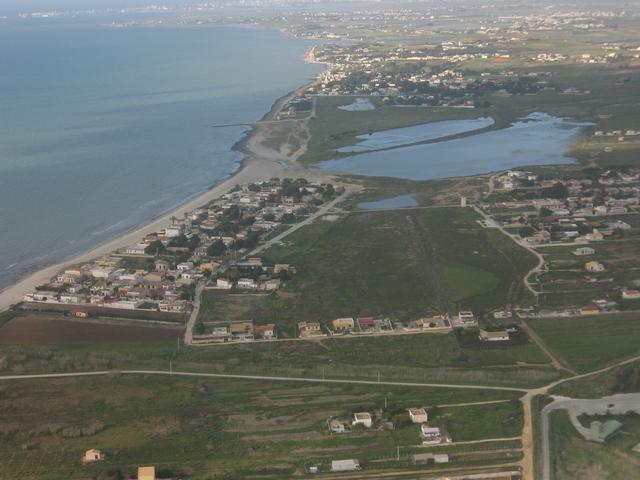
496,336
594,267
146,473
92,455
430,435
349,465
418,415
309,329
343,324
363,418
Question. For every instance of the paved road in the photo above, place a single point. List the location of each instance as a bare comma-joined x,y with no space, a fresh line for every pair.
188,333
541,262
557,363
261,377
308,221
616,404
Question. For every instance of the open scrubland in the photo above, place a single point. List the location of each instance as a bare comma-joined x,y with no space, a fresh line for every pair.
234,429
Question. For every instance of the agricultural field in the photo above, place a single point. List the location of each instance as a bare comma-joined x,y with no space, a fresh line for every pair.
573,457
413,358
589,343
199,428
42,328
401,264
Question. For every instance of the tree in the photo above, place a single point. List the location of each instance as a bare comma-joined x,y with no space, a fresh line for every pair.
526,231
156,248
216,249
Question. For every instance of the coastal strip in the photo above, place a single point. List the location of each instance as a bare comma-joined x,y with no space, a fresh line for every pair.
259,163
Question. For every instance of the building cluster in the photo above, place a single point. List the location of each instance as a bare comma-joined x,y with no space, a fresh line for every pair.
236,332
558,21
206,244
418,75
372,325
584,213
557,210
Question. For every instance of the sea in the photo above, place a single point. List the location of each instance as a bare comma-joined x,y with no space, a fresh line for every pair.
103,129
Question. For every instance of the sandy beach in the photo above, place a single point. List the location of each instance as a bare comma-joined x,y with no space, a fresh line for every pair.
260,163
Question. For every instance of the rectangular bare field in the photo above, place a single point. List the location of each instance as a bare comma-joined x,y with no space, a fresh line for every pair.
49,329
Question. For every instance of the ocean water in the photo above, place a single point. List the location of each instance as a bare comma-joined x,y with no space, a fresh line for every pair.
538,139
102,129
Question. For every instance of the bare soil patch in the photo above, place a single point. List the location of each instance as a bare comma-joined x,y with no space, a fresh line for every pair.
43,329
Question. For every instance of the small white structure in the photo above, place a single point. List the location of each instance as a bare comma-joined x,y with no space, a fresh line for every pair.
467,318
185,266
138,249
418,415
583,251
336,426
92,455
350,465
430,435
363,418
628,294
224,283
594,267
495,336
247,283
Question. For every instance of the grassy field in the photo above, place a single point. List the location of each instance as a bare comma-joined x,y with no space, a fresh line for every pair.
589,343
403,264
218,306
573,457
196,428
623,379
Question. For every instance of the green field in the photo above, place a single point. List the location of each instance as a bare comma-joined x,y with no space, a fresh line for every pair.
573,457
589,343
196,428
402,264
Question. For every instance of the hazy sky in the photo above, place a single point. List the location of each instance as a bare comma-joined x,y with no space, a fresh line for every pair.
13,6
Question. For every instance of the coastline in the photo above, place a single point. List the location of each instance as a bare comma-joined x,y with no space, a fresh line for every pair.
258,163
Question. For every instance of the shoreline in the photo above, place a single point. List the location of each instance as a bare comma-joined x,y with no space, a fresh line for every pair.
256,165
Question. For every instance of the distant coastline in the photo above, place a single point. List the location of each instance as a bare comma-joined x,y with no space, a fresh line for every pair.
251,168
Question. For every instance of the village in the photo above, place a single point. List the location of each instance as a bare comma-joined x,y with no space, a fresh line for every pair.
582,227
159,274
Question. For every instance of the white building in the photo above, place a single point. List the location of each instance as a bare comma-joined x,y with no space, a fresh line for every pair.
247,283
224,283
430,435
363,418
350,465
418,415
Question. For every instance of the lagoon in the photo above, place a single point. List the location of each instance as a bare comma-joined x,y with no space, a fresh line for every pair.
538,139
400,201
398,137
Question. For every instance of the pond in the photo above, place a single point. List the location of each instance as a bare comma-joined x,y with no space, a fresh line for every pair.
401,201
538,139
416,133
